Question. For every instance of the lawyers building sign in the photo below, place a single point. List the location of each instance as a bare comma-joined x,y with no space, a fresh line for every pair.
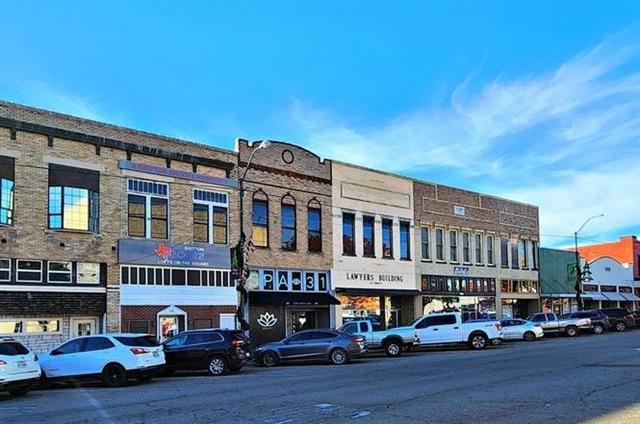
374,278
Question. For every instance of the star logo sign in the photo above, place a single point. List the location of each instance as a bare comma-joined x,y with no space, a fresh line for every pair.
163,251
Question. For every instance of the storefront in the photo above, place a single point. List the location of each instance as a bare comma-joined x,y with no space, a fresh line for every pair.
166,288
474,297
282,302
519,298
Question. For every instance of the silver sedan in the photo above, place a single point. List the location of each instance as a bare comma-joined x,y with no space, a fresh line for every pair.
520,329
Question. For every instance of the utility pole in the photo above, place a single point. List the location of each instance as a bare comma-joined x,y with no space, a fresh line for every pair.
578,286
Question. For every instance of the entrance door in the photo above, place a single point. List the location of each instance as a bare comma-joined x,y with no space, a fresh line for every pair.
301,320
83,327
170,325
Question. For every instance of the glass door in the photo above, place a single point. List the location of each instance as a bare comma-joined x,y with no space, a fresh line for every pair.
170,326
301,320
83,326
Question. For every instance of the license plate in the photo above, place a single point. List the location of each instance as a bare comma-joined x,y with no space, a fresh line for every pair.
156,354
248,354
22,364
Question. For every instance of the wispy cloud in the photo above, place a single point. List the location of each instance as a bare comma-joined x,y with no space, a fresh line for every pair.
562,140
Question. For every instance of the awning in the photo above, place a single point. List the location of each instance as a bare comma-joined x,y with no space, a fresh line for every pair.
631,297
291,299
560,295
616,297
594,296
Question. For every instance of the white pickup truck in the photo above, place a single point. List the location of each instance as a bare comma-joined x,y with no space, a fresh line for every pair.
447,328
393,341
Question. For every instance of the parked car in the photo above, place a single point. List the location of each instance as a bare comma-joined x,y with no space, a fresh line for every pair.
312,345
217,351
636,317
393,341
619,318
112,358
520,329
446,328
599,321
552,325
19,368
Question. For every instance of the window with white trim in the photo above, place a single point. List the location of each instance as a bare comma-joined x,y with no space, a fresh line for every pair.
163,276
478,247
88,273
466,248
148,209
5,269
210,217
7,175
29,271
490,248
426,246
29,326
58,272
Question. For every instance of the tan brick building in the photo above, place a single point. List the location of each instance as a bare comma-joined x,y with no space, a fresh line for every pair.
478,253
96,219
288,216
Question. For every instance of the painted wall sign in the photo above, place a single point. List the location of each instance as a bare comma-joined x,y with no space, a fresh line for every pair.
151,252
459,210
289,280
461,270
170,172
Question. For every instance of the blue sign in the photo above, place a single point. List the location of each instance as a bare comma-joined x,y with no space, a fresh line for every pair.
165,253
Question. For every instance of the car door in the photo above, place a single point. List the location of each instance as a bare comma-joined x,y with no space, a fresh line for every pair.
94,354
507,328
517,329
448,329
425,330
294,347
318,344
198,346
176,352
62,362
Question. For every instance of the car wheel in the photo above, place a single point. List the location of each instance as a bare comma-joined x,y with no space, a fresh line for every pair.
529,336
269,359
339,356
218,366
393,348
621,326
478,341
598,329
114,375
19,391
571,331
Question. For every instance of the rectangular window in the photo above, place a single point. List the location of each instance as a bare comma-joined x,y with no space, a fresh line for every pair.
490,255
29,326
314,225
148,209
387,238
74,200
478,247
88,273
7,175
504,253
466,247
514,254
534,255
209,217
405,245
439,244
522,252
288,226
368,236
453,246
348,234
5,269
139,327
260,223
426,246
29,271
59,272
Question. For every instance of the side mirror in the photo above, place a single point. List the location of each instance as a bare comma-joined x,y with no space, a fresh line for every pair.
55,352
285,342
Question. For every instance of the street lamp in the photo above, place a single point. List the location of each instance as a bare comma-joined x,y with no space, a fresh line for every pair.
578,273
241,252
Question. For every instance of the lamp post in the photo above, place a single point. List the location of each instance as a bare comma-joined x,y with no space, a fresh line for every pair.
241,252
578,286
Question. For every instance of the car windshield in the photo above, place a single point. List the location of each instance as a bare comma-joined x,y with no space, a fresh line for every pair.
142,341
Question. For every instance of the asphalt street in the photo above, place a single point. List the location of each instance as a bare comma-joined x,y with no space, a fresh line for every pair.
559,380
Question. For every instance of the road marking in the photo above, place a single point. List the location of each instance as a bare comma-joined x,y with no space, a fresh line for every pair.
17,408
361,414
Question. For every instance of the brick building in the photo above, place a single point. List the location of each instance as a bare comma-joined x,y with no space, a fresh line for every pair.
96,218
478,253
287,205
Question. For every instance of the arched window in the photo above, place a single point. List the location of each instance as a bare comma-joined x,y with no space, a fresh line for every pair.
288,223
260,219
314,225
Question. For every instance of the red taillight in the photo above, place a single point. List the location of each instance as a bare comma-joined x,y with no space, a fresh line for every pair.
498,326
237,342
2,363
139,350
358,339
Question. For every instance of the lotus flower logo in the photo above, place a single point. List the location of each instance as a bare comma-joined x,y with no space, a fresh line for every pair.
267,320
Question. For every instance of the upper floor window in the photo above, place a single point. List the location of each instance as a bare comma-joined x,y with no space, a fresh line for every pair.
7,175
314,226
387,238
466,248
522,253
29,271
288,223
478,247
405,244
439,244
210,216
424,240
260,219
504,252
453,246
515,261
59,272
534,255
148,209
490,254
5,269
348,234
88,273
368,236
74,201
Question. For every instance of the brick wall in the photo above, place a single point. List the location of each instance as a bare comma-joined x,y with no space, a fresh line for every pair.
197,316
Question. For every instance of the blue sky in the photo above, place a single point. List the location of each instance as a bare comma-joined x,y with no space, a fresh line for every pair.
535,102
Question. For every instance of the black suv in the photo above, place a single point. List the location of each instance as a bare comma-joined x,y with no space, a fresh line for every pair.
599,320
217,351
619,318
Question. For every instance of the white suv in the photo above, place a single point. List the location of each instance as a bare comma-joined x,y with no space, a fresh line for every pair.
113,358
19,369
